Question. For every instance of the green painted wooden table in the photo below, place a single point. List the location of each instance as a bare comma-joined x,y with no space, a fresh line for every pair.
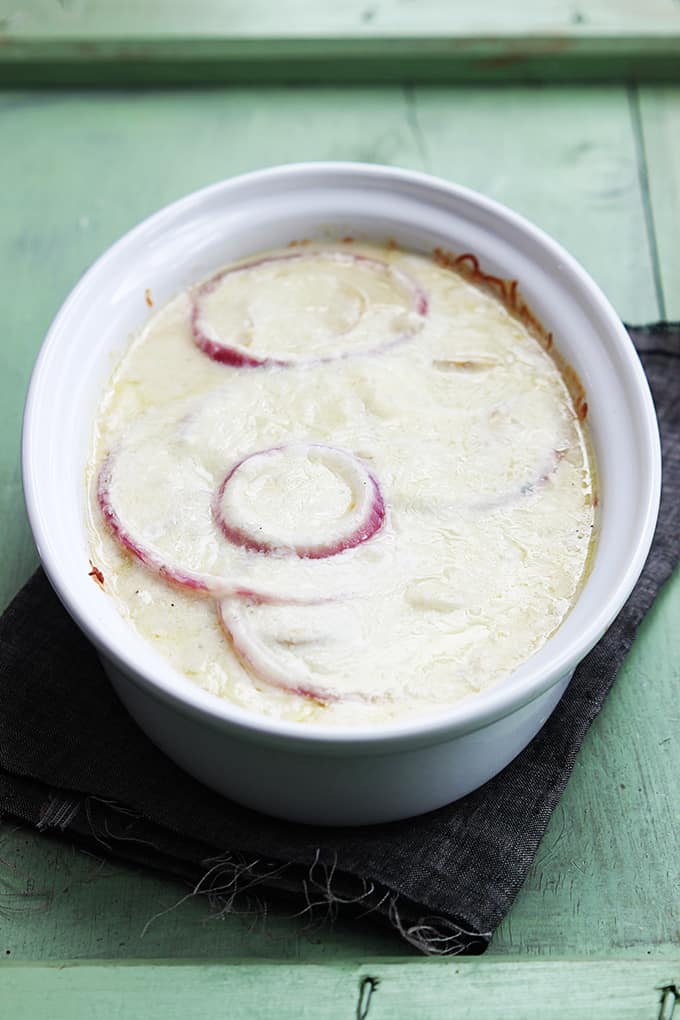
596,929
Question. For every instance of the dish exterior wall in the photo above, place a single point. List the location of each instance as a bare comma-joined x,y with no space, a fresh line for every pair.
315,788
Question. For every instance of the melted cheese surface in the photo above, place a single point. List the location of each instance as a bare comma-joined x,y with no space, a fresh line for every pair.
384,503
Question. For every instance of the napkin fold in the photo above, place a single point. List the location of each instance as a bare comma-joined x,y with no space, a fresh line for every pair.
73,762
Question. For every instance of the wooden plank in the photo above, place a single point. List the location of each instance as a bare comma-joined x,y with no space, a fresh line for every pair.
607,872
565,158
168,41
660,126
383,61
99,19
57,901
470,989
79,170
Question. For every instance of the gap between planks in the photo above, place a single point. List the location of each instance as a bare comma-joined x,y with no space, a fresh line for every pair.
643,178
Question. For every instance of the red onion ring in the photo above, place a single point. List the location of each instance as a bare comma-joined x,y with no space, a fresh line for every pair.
259,662
183,578
366,521
238,356
193,581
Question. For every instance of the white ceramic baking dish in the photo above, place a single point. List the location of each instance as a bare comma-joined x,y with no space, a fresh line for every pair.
298,771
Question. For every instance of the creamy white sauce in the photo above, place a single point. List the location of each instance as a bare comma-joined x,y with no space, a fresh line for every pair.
389,462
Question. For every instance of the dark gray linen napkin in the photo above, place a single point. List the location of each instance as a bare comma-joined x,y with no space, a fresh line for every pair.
73,762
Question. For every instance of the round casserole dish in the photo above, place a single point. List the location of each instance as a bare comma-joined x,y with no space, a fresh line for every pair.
300,771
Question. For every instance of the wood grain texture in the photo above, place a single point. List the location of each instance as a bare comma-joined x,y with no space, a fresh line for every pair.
607,872
660,132
564,157
464,990
170,41
99,19
78,170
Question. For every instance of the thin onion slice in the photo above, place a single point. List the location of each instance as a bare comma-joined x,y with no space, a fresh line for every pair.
263,664
228,351
196,582
359,524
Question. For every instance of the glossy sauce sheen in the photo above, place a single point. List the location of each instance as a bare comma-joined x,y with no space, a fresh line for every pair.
341,484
